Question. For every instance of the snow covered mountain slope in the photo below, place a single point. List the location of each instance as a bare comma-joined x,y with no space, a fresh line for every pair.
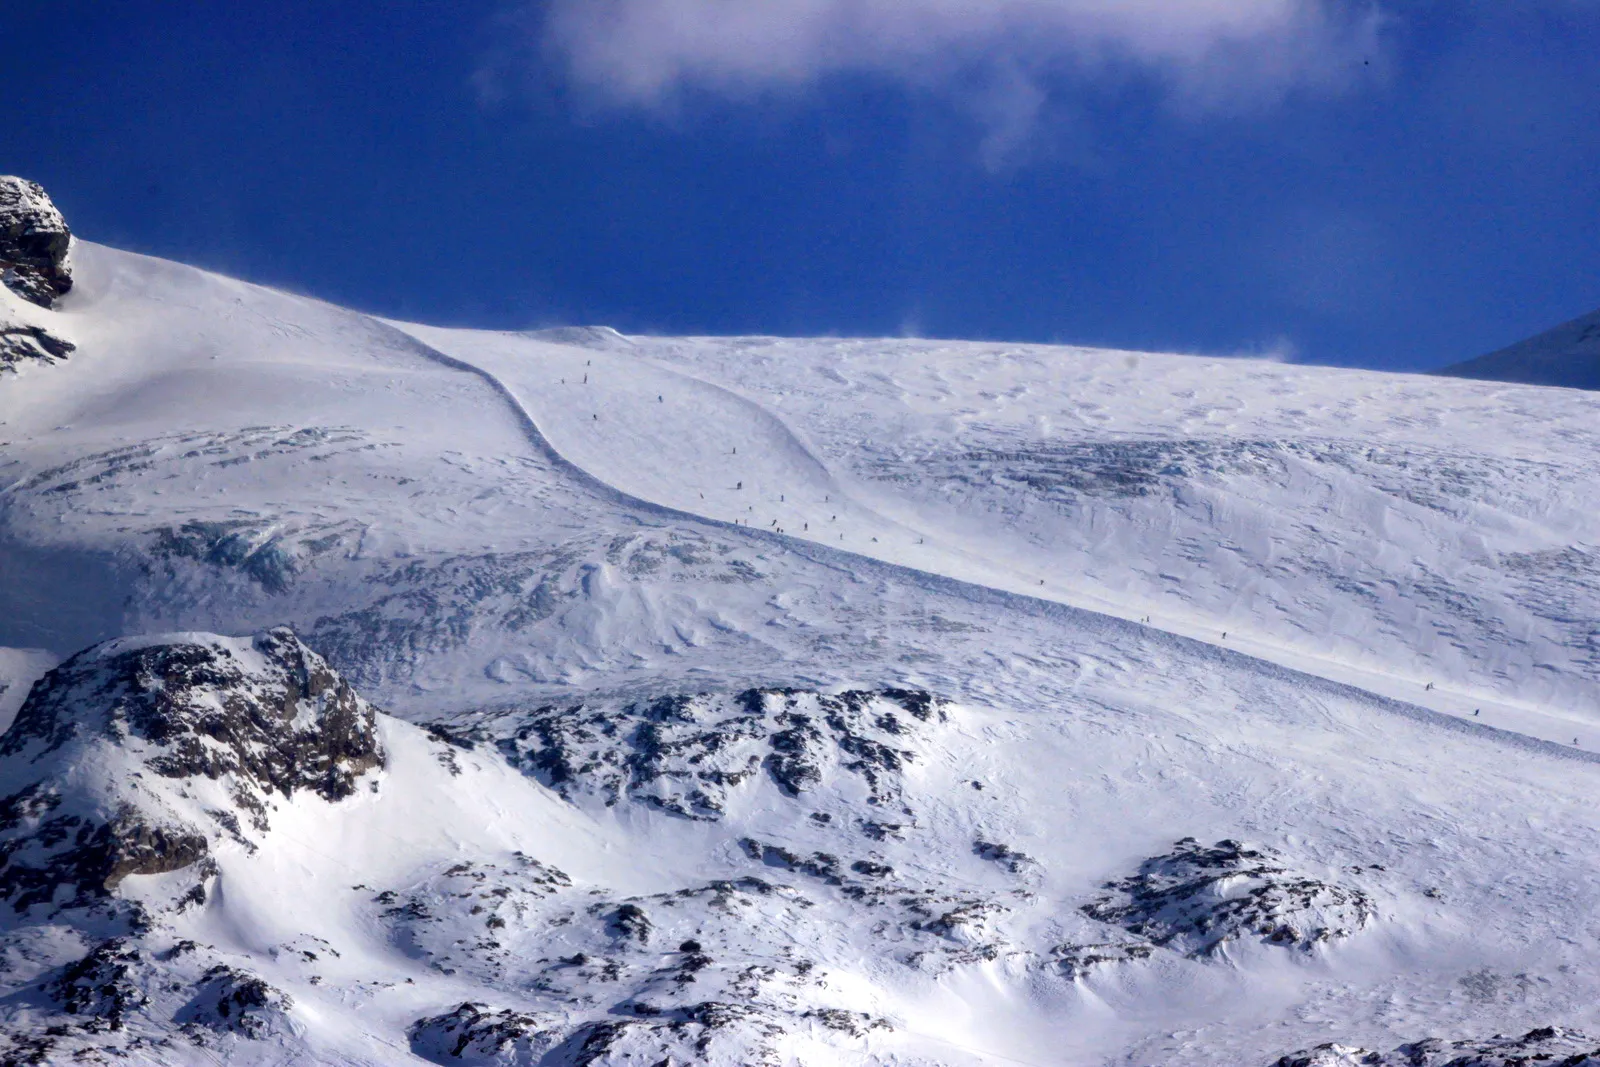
1568,356
673,772
1384,530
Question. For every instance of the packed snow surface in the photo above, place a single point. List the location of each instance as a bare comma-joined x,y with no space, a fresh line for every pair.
781,701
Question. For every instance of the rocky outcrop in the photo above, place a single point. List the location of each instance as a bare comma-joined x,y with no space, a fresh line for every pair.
231,1001
1198,898
685,754
476,1034
1552,1045
20,341
34,241
103,985
190,735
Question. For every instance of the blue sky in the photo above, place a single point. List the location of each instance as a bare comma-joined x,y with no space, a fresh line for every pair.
1395,185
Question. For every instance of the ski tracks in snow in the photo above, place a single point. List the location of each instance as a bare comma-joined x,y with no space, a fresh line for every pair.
816,477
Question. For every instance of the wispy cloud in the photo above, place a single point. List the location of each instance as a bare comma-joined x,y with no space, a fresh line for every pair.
646,52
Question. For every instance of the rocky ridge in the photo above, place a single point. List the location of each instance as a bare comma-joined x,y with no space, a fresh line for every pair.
686,754
1550,1045
137,760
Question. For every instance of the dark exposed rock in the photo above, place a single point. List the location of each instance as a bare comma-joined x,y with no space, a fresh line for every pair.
1006,856
1550,1045
630,921
1077,961
102,985
19,342
1197,898
683,754
821,865
263,718
473,1033
233,1001
854,1023
281,720
34,241
708,1032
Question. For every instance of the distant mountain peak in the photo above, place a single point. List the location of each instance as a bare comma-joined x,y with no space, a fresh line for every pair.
1567,356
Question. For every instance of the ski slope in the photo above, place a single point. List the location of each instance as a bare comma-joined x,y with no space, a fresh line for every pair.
526,542
1384,548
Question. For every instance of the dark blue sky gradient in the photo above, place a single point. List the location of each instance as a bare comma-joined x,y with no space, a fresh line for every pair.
348,150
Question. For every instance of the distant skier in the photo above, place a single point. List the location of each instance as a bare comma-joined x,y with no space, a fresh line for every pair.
739,485
585,379
1476,710
1428,688
660,399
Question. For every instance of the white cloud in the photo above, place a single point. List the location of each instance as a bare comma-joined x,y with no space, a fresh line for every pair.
644,52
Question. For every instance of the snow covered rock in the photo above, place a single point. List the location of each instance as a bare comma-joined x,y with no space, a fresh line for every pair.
1548,1045
133,757
685,754
103,985
23,341
34,241
476,1034
1198,898
228,1000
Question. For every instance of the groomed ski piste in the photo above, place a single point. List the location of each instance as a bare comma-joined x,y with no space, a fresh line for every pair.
756,700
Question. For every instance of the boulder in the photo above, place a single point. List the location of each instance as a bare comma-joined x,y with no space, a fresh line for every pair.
34,241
